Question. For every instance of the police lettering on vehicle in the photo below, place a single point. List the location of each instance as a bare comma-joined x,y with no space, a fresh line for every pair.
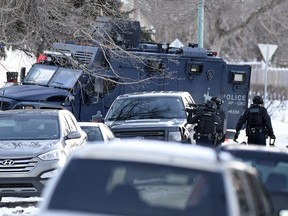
231,99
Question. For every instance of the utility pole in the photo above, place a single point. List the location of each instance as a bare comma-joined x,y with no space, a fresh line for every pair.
200,22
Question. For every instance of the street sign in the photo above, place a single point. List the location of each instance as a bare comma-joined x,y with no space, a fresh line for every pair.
177,44
267,50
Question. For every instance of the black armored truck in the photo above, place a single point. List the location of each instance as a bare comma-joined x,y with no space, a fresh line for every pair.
87,78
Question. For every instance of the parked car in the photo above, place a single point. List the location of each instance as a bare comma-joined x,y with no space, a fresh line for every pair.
272,165
33,145
97,132
156,115
147,178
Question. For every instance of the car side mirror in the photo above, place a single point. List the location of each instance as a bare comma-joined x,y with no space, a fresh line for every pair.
73,135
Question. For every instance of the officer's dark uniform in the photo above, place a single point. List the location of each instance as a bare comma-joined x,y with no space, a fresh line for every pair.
256,132
202,139
98,117
221,127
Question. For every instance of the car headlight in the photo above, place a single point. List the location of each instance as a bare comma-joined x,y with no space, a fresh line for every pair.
174,136
53,155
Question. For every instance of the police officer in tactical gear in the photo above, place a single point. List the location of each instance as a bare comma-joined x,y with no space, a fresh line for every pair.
258,123
221,127
206,119
98,117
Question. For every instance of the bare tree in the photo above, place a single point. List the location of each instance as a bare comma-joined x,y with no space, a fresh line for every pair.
33,25
232,28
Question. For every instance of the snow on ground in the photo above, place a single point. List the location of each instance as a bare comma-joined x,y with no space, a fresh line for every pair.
11,206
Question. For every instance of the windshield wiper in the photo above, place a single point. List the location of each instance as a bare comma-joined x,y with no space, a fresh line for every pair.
30,80
59,83
117,118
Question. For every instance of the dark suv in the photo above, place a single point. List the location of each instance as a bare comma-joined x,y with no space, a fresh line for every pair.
158,115
33,145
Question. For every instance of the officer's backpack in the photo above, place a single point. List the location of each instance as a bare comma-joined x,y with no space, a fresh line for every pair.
220,125
207,123
255,117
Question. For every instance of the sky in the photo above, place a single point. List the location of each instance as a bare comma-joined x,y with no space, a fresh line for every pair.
27,206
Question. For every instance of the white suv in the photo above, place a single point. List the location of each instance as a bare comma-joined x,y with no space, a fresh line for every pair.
147,178
33,145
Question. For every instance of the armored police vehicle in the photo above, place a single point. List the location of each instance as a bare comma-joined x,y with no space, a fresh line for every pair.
85,79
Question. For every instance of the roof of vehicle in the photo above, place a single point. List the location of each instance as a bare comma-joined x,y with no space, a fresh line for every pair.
150,151
154,93
33,111
254,148
95,124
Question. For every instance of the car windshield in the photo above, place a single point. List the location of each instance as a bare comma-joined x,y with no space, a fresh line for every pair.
28,127
146,108
54,76
93,133
126,188
40,74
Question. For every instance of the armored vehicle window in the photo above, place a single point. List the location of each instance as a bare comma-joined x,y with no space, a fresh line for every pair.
105,84
65,78
109,85
154,65
40,74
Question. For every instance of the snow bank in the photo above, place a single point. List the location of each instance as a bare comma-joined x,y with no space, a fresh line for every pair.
14,61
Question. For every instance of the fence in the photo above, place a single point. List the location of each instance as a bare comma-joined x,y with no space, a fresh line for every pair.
277,81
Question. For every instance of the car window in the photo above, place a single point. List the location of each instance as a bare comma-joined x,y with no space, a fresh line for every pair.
75,122
260,199
65,125
70,122
239,189
188,100
138,189
93,133
268,166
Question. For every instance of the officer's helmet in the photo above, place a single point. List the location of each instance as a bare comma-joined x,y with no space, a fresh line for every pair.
211,104
217,100
258,100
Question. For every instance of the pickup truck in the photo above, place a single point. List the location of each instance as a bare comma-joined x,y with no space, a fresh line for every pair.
157,115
